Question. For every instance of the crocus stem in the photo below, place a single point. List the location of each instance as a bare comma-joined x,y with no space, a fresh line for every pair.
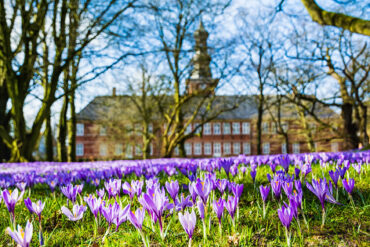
143,238
237,212
220,229
264,209
352,202
287,236
41,238
96,227
304,219
323,218
189,242
204,232
337,194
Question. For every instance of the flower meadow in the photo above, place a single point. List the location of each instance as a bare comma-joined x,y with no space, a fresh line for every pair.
276,200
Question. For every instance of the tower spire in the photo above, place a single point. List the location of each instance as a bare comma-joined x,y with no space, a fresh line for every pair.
201,76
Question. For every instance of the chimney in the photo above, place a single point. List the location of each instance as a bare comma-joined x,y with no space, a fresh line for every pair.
114,92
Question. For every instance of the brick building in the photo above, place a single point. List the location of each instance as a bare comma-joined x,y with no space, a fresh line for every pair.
230,133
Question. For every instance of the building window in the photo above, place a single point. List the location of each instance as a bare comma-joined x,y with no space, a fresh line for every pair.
198,148
296,148
227,129
150,128
103,131
138,150
334,147
246,128
217,149
227,148
177,152
80,129
103,149
138,130
266,148
236,128
118,149
284,149
188,148
284,125
79,149
151,149
273,128
207,148
246,148
217,128
265,127
129,151
236,148
188,129
207,129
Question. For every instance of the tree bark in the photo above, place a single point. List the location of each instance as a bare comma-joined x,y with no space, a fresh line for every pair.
323,17
49,139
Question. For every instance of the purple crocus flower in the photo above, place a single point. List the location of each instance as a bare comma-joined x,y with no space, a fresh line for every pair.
100,193
264,192
288,187
34,208
334,177
253,174
127,189
342,171
113,187
70,192
273,167
221,185
121,216
284,161
11,198
173,189
237,190
349,185
200,206
319,188
297,171
22,186
357,167
109,212
202,188
276,186
94,204
22,237
192,192
218,208
137,186
188,222
285,214
306,169
226,164
137,218
78,212
182,203
231,205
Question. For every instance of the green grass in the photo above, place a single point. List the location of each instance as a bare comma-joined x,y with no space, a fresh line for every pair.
345,225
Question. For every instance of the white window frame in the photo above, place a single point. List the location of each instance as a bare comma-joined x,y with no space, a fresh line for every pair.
138,149
80,129
207,129
103,149
176,151
103,131
246,148
198,148
246,128
150,128
207,148
284,148
79,149
217,149
236,128
118,149
129,150
265,127
188,148
274,128
217,128
226,128
236,148
295,148
151,149
266,148
227,148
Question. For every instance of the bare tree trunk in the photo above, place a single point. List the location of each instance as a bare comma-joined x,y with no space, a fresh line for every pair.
349,128
49,139
63,128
